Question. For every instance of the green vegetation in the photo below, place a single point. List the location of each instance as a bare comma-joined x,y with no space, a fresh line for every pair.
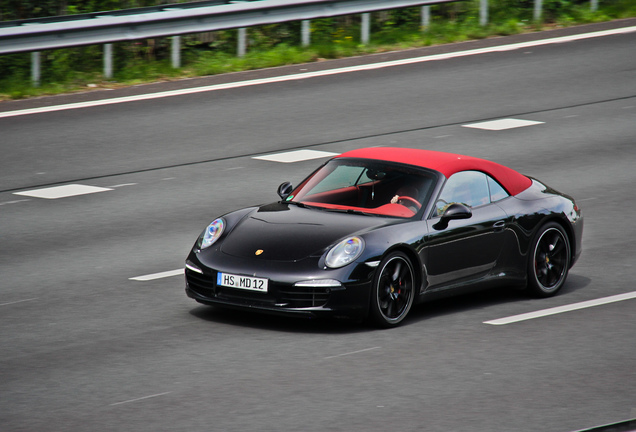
79,69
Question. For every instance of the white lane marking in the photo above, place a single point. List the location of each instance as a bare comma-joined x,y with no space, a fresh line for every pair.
502,124
13,202
62,191
123,185
352,352
18,301
154,276
141,398
295,156
305,75
562,309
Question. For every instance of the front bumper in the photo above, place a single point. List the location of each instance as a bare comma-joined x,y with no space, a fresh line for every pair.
283,297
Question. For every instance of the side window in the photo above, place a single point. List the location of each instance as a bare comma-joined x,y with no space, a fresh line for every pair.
466,187
496,191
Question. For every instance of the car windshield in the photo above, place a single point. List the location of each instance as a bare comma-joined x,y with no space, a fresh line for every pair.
366,186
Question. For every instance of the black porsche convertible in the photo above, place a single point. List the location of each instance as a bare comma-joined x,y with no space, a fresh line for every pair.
373,231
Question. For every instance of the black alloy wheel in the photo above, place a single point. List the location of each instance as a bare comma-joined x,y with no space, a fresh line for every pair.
393,290
550,260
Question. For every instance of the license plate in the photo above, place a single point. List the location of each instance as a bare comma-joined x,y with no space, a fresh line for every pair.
241,282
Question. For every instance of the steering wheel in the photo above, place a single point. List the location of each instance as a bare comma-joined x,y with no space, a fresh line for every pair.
411,200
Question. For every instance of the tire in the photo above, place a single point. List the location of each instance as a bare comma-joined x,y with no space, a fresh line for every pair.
393,290
549,260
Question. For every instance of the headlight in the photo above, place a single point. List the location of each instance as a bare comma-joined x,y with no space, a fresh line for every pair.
211,233
345,252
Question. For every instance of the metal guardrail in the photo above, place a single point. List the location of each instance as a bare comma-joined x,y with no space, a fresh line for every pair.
118,12
91,29
34,35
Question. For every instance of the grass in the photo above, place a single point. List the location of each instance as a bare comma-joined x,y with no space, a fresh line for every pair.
59,77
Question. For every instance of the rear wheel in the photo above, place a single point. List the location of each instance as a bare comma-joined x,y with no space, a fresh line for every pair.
549,260
393,290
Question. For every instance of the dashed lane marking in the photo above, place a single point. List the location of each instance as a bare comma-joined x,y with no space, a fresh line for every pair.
154,276
502,124
123,185
17,301
62,191
562,309
351,353
13,202
295,156
140,398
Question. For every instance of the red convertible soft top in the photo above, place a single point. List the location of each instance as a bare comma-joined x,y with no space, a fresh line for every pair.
446,163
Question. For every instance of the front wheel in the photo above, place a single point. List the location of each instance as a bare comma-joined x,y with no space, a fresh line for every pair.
393,290
549,260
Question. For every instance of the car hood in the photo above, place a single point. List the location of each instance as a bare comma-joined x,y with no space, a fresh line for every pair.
286,232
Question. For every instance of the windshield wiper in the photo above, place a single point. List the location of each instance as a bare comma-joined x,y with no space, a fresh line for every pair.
335,210
350,211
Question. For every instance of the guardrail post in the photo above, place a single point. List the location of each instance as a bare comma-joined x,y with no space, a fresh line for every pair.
483,12
108,60
426,17
594,5
305,32
364,36
176,52
35,68
242,42
538,5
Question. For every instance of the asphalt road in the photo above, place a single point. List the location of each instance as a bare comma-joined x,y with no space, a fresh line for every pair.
85,347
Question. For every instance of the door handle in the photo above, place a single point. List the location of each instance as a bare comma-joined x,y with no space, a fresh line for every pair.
499,225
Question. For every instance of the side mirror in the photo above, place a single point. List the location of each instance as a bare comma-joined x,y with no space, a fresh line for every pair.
284,190
453,212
